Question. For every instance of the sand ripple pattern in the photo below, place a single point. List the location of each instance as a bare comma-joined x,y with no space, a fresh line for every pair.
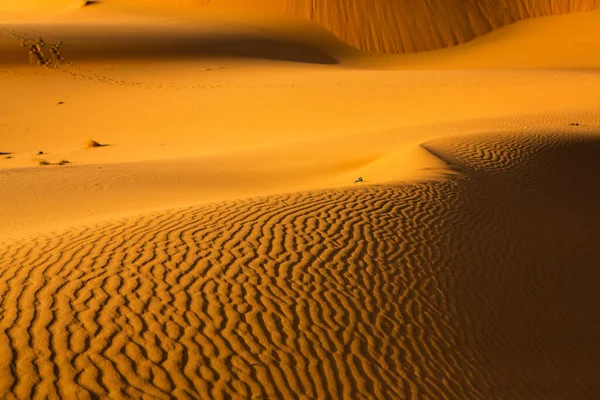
307,294
440,290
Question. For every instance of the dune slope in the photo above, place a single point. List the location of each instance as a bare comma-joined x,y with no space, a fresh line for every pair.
405,26
216,247
383,26
475,287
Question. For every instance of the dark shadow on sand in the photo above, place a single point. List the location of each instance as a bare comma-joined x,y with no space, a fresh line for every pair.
104,42
140,48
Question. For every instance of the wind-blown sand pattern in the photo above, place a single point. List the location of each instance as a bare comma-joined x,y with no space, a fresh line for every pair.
214,246
382,292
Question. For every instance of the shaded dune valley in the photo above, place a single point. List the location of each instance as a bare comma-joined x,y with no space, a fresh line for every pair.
272,199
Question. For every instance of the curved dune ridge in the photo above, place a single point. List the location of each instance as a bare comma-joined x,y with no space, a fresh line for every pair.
156,43
475,287
382,26
210,246
407,26
134,31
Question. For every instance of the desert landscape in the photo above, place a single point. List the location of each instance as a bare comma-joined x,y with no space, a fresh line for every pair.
324,199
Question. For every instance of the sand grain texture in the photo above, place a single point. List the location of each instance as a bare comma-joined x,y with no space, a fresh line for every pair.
417,291
406,26
216,247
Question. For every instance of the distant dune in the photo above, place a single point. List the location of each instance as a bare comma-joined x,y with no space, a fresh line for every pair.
181,214
383,26
406,26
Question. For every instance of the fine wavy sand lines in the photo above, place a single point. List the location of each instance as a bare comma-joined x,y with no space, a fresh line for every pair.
449,289
312,294
528,262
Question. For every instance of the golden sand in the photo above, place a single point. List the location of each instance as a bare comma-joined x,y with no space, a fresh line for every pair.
179,218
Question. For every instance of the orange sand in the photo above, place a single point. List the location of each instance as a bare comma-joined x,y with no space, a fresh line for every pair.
216,246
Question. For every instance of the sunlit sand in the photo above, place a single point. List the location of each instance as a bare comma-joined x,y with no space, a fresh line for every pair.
181,214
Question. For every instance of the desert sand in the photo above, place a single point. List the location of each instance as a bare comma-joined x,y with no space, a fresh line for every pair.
180,218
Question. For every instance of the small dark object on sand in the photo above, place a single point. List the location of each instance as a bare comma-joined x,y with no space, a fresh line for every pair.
574,124
93,143
359,179
61,103
40,153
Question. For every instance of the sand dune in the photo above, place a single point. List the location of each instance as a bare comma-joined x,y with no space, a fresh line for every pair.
396,26
216,246
339,124
408,26
382,26
100,38
143,42
405,26
453,289
559,42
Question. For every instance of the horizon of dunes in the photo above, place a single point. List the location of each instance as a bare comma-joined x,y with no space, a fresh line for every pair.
221,199
120,35
383,26
401,26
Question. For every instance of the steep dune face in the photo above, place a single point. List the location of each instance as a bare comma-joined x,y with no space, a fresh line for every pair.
140,42
405,26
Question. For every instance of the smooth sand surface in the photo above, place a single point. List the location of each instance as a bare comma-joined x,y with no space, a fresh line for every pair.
213,244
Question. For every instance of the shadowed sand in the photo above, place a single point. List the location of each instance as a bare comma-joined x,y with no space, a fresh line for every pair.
143,43
383,26
212,244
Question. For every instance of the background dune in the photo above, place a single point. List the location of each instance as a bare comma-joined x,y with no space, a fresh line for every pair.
401,26
383,26
478,287
155,43
396,26
112,33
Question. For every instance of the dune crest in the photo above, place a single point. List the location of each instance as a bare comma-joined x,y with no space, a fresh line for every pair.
379,26
407,26
433,290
